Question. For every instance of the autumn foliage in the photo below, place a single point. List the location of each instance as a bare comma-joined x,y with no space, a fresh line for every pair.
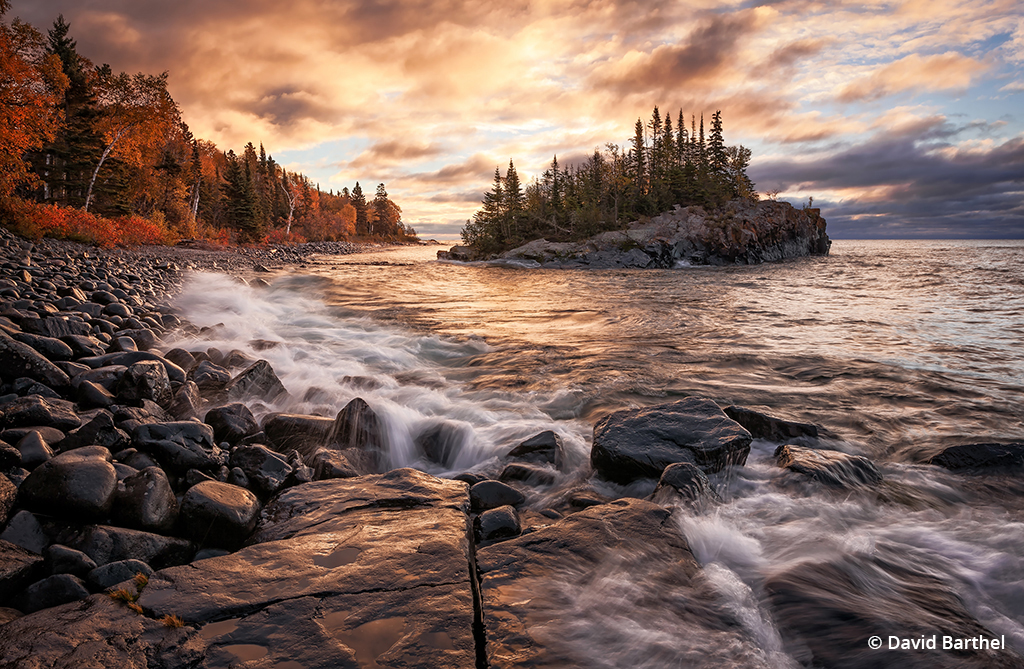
36,221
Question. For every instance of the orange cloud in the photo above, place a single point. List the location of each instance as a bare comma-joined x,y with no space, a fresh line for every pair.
947,71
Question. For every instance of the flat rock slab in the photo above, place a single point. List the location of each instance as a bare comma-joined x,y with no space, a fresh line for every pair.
528,585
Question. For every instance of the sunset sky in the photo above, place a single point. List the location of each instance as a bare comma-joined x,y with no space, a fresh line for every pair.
900,119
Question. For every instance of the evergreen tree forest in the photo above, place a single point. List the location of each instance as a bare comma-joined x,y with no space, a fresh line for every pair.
77,137
665,164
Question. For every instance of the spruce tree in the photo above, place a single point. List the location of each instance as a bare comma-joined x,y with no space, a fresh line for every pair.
362,218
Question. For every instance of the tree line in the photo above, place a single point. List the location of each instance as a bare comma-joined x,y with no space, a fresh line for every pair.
77,135
665,164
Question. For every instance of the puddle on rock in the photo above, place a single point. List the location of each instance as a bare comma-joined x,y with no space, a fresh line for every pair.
438,640
213,630
246,652
369,640
339,557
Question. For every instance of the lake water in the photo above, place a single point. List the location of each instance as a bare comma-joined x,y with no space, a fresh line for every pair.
898,348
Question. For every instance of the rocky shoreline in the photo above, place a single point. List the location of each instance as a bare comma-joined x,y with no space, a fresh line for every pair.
147,519
740,233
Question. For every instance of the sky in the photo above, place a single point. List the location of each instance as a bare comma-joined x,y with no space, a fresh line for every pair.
901,119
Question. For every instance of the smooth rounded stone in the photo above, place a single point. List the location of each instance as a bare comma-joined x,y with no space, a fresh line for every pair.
582,499
106,544
684,481
330,464
51,348
124,311
93,395
544,448
527,472
306,434
113,573
231,423
10,456
101,430
18,568
146,501
187,401
35,410
103,297
219,514
236,358
26,386
207,553
8,614
53,591
127,358
266,470
470,478
257,381
765,426
50,435
108,377
34,450
237,477
146,380
122,344
76,484
357,426
124,471
640,443
181,358
499,523
179,446
194,476
83,345
63,560
980,456
56,326
492,494
25,530
8,495
210,377
442,442
832,468
144,338
140,461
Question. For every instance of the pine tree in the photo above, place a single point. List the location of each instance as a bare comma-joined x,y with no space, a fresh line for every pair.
514,201
362,218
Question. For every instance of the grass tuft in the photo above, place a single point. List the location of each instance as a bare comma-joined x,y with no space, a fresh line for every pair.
123,595
172,621
141,581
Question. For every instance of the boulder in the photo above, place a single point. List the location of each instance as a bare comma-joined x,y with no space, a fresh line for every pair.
306,434
100,431
106,544
209,377
10,456
79,484
53,591
8,495
495,524
187,402
331,464
34,450
266,470
18,568
127,358
35,410
492,494
55,326
181,358
980,456
544,448
64,560
25,530
92,395
765,426
832,468
219,514
179,446
640,443
145,501
83,345
50,347
257,381
441,442
527,472
357,426
231,423
113,573
684,482
145,380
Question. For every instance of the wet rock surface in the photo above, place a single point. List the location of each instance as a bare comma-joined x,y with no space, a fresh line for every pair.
832,468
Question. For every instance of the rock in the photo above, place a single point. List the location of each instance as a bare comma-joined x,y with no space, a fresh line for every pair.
34,450
194,476
93,395
207,553
8,614
25,531
219,514
124,471
330,464
78,484
50,347
764,426
82,345
146,380
113,573
827,610
53,591
306,434
231,423
8,495
15,434
684,482
470,478
528,473
55,326
492,494
980,456
35,410
127,358
10,457
499,523
18,568
357,426
181,358
144,339
122,344
266,470
532,584
179,446
458,254
257,381
442,442
237,477
64,560
106,544
544,448
640,443
832,468
100,431
187,402
210,378
146,501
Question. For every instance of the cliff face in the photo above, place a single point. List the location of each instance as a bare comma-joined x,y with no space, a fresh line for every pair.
741,233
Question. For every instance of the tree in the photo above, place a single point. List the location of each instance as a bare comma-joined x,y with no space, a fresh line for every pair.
241,199
31,85
359,202
136,111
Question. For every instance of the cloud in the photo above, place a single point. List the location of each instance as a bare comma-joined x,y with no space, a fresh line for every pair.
947,71
391,152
